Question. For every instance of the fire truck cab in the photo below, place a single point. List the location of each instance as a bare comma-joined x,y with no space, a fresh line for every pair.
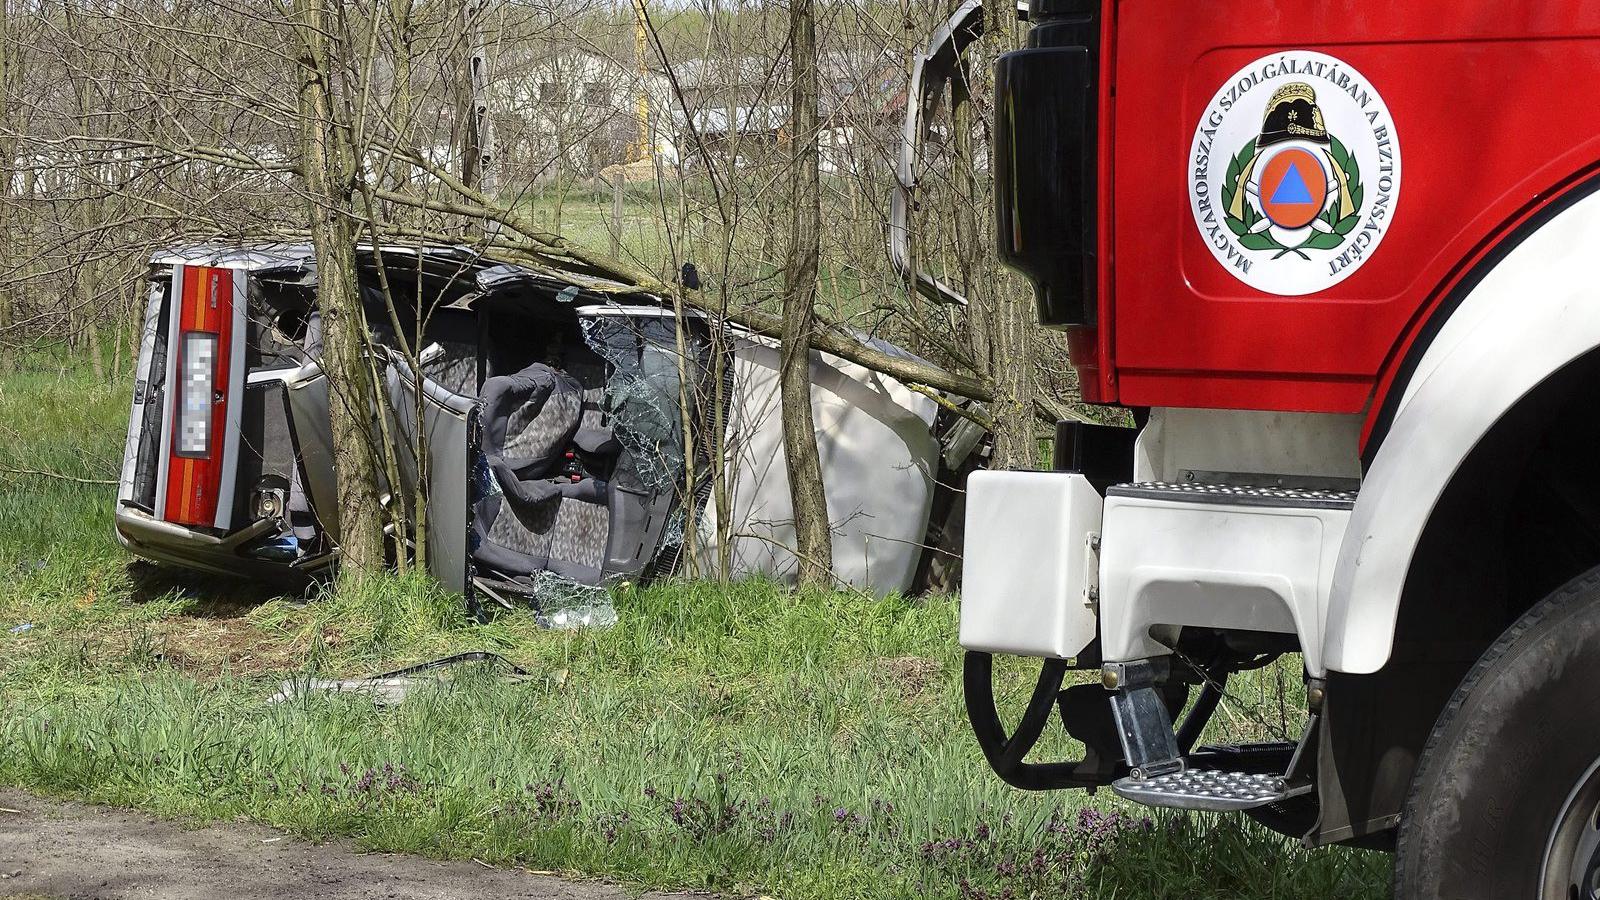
1339,262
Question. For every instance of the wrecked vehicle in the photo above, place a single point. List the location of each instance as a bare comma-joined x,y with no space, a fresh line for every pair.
552,406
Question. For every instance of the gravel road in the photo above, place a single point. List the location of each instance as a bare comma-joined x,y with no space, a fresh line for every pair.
52,849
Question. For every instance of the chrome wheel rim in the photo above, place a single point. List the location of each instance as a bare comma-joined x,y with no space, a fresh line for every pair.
1572,852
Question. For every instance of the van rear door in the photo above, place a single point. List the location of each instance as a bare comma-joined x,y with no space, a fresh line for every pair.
197,462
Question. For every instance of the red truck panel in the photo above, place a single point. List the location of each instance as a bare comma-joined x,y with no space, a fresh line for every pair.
1493,106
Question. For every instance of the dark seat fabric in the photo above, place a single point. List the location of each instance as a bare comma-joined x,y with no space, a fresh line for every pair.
530,417
540,518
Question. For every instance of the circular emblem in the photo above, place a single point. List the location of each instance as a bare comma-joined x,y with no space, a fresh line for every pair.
1295,172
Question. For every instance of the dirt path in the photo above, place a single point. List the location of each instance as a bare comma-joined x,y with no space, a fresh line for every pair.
72,850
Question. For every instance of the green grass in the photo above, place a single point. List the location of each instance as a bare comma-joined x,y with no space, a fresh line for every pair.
850,282
736,738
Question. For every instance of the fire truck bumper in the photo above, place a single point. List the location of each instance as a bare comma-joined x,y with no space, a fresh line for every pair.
1030,571
1051,565
1055,569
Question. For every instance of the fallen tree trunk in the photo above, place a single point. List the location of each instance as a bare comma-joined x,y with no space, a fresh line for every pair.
826,336
547,249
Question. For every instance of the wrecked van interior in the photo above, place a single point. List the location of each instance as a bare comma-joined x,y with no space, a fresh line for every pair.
538,418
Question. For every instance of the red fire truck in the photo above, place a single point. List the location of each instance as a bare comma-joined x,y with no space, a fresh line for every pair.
1339,260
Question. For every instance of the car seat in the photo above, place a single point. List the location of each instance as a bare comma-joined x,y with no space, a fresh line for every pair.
545,449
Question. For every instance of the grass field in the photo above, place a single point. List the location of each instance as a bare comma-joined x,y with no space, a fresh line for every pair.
850,283
738,739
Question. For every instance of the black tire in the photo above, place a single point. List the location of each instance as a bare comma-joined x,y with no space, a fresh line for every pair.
1504,765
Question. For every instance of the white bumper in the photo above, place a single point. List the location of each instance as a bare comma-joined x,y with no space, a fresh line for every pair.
1169,556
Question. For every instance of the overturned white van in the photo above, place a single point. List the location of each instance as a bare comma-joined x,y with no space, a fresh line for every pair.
552,406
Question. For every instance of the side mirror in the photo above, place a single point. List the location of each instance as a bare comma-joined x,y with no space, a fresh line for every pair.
1045,165
931,72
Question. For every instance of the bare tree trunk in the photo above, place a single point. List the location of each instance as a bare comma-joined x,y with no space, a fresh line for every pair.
9,75
1001,315
813,542
330,174
1013,338
96,352
970,242
480,127
86,210
618,186
404,115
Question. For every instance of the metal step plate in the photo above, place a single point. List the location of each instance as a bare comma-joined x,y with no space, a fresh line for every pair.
1208,790
1235,495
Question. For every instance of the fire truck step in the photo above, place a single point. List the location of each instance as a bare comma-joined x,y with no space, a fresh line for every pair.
1208,789
1234,495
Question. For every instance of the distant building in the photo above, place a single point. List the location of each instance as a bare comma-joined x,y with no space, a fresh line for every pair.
745,101
577,112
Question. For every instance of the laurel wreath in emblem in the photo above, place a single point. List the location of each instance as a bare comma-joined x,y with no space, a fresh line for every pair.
1253,235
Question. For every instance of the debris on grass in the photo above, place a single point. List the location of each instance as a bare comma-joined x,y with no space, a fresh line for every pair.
391,688
566,604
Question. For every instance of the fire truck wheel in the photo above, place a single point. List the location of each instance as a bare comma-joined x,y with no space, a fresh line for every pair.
1506,800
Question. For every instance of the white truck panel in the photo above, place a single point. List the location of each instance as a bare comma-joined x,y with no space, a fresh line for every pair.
1028,565
1535,312
1259,568
1245,441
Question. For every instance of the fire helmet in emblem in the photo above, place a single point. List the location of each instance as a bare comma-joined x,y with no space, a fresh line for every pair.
1293,191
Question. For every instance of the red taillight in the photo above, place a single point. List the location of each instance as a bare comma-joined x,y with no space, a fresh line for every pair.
201,381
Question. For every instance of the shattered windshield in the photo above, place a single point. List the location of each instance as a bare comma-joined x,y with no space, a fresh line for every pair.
643,390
